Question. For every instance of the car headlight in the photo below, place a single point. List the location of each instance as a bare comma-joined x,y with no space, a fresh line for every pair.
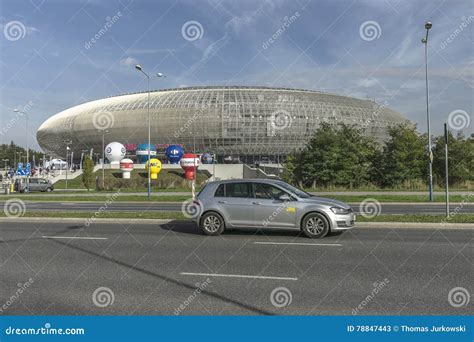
340,211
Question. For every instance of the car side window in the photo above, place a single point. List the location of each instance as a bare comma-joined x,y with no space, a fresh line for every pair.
241,190
220,192
267,191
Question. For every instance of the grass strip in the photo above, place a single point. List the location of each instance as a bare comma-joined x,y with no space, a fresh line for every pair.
422,218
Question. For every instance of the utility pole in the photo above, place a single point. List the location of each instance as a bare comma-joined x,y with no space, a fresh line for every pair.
67,142
424,40
446,167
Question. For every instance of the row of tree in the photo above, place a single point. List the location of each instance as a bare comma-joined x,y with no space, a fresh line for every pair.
16,154
342,156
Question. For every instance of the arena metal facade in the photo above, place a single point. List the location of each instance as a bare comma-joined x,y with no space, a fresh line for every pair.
246,122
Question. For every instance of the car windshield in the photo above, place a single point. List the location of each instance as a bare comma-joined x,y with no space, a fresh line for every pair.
299,193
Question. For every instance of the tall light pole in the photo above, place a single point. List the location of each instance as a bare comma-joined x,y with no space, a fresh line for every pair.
139,68
82,158
67,142
446,138
104,131
5,161
16,110
424,40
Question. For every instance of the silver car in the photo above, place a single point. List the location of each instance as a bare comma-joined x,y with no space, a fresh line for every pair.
261,203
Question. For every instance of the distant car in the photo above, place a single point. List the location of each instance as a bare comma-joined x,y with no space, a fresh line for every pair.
267,203
33,184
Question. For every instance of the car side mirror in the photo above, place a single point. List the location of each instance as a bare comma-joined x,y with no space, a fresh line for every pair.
285,197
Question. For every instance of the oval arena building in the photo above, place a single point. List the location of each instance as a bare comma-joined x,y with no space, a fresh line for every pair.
250,123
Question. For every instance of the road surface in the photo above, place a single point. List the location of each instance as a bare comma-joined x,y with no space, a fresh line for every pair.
386,208
148,269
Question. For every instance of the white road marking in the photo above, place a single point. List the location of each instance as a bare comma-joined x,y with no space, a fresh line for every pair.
237,276
299,244
75,237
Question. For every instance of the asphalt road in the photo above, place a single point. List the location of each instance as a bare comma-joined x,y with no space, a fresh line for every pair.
386,208
152,270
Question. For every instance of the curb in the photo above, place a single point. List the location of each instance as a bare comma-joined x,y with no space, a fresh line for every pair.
364,225
414,225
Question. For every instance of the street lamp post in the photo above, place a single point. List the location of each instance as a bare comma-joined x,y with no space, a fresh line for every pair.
16,110
424,40
67,142
82,158
446,138
139,68
104,131
5,161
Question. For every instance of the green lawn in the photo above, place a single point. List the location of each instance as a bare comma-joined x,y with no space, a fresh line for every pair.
394,198
168,180
461,218
100,198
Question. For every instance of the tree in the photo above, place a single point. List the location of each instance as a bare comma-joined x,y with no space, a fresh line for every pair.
290,168
12,152
404,157
336,155
460,159
87,173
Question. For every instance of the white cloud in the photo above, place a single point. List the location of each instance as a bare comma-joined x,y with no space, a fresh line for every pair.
129,61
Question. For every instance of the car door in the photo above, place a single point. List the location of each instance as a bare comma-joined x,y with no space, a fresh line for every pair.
43,184
271,211
235,202
33,184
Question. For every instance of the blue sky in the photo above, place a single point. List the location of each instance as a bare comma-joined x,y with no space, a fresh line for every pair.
48,61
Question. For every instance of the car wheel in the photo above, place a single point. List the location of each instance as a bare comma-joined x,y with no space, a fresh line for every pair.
315,226
49,190
211,223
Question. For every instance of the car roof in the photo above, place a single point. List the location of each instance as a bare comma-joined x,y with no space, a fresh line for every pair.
248,180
